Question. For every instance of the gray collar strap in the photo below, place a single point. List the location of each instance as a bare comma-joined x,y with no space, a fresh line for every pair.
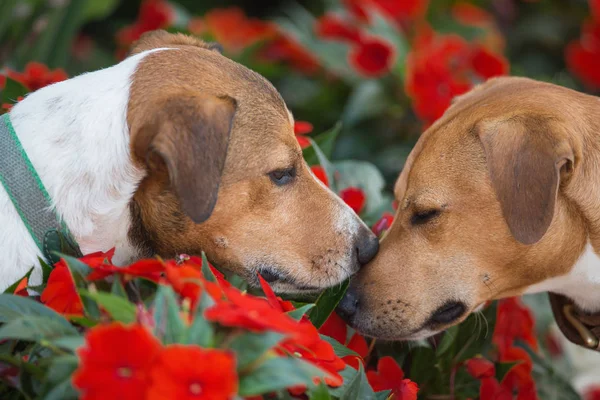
30,198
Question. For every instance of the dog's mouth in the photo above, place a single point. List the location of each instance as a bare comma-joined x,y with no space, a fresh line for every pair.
282,282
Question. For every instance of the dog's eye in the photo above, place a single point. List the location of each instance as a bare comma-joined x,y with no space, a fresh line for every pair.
422,217
282,177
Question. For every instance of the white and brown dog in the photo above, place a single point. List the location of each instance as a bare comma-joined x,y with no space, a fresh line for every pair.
178,149
500,197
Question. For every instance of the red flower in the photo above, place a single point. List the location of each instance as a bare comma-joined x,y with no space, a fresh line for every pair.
21,289
383,224
37,76
249,312
190,372
372,57
490,389
302,128
592,393
442,67
479,368
514,321
389,376
308,345
234,31
336,328
102,267
486,64
2,81
274,301
583,56
115,362
154,14
400,10
286,49
355,198
331,26
60,293
319,172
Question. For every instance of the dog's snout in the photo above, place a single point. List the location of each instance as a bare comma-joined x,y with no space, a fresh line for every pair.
367,246
448,313
348,306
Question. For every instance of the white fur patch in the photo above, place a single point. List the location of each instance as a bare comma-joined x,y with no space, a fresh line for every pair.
581,284
76,136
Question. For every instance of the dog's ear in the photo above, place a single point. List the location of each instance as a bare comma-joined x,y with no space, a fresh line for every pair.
190,134
526,160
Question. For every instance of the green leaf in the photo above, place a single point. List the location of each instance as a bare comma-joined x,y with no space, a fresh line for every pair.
11,289
278,373
71,343
46,269
324,162
383,395
502,369
358,388
98,9
118,290
448,340
13,307
12,91
340,349
326,303
36,328
169,326
206,272
321,392
367,100
298,313
475,334
83,321
325,141
120,309
250,347
58,380
201,332
366,176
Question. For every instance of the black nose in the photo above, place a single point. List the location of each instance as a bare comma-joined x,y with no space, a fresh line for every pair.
447,313
348,306
367,246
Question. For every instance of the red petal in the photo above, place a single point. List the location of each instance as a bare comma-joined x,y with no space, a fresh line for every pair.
335,327
319,172
479,368
330,26
373,57
302,127
303,141
355,198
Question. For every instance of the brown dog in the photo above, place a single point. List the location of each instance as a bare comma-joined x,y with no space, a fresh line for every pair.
178,149
500,197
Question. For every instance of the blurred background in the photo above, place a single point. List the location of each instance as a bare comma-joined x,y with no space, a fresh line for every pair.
385,69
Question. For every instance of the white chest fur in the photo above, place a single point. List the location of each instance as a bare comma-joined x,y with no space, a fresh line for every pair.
76,135
581,284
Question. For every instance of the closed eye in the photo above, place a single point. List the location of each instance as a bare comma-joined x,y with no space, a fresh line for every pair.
422,217
282,177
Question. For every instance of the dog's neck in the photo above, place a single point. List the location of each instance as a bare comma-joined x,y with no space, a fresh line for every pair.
76,135
582,283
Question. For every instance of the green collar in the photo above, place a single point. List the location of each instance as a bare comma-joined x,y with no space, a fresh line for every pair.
30,198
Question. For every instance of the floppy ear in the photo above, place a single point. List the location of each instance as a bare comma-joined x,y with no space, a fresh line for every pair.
525,160
191,135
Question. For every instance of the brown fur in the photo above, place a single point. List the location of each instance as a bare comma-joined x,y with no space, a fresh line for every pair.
203,125
513,169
